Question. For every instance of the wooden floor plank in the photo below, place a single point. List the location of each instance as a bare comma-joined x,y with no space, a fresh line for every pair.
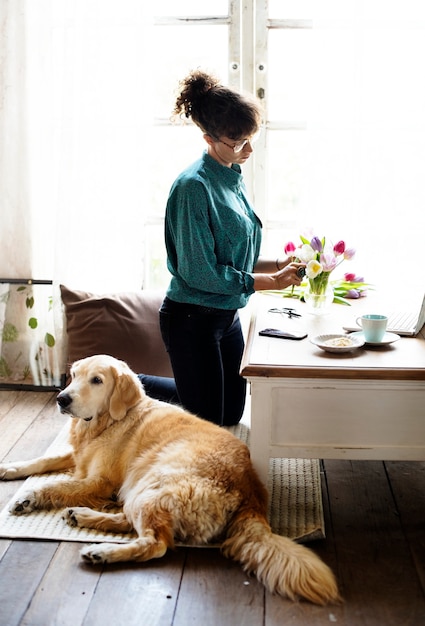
375,567
64,593
4,546
137,594
21,568
215,590
408,485
41,432
8,399
19,417
27,439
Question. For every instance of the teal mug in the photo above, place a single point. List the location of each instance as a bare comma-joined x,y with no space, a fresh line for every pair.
373,327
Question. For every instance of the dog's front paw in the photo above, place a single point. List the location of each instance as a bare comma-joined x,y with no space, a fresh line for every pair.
25,504
69,516
96,553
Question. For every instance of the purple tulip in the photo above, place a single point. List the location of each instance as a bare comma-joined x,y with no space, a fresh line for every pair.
316,244
352,294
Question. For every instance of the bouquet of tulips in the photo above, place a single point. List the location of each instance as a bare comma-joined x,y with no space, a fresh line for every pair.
321,259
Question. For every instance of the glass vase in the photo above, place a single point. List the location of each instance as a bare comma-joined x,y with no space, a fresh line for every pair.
318,297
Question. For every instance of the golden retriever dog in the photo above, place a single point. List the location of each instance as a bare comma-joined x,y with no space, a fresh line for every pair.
177,478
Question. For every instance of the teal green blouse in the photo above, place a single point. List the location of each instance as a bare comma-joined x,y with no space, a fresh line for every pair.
212,236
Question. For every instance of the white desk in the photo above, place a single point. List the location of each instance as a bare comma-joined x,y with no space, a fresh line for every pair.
307,403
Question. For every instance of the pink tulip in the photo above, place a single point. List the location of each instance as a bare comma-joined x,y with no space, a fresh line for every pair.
289,247
349,277
339,248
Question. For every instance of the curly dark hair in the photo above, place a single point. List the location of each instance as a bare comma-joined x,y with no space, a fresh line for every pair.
218,110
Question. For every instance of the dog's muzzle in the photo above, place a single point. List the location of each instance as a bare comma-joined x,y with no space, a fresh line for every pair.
64,401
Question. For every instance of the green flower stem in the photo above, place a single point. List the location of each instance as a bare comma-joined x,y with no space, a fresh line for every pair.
319,284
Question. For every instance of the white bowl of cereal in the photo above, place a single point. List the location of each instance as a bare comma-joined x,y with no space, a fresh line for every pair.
338,342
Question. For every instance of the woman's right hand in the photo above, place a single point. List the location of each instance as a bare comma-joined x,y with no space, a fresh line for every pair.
282,279
288,276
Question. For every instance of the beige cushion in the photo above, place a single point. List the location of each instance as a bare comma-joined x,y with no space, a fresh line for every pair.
124,325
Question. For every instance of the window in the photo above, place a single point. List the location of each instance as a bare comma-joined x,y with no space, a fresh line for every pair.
343,148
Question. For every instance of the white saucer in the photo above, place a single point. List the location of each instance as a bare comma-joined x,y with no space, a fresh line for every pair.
329,343
386,339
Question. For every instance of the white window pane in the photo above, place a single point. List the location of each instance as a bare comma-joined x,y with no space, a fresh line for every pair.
190,7
191,47
291,9
392,89
156,275
172,149
274,240
286,174
289,74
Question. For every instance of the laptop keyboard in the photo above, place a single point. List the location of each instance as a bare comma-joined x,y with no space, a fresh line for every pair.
401,321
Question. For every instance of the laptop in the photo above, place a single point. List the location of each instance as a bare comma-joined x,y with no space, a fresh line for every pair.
404,323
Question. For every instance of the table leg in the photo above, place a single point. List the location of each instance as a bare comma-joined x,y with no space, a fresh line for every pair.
261,411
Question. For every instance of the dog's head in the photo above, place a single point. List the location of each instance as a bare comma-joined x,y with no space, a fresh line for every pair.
99,385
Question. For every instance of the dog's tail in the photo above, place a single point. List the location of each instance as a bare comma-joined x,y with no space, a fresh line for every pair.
283,566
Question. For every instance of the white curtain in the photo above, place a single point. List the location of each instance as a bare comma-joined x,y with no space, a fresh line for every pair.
75,114
75,83
15,224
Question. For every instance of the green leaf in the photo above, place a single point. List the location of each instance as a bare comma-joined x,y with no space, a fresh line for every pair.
10,332
5,370
304,240
32,322
29,302
339,300
49,340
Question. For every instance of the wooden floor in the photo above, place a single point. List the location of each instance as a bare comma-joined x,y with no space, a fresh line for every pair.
375,523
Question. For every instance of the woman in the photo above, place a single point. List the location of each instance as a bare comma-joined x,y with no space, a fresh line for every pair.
213,240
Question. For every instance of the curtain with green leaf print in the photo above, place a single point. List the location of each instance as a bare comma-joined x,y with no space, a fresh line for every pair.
31,335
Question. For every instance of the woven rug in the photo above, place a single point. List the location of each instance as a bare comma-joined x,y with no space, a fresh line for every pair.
295,508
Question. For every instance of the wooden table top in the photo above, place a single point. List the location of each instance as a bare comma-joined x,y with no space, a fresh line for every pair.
403,360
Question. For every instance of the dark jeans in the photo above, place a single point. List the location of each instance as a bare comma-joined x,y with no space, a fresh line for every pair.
205,346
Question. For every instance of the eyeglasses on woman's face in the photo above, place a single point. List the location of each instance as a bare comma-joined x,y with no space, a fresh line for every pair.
239,146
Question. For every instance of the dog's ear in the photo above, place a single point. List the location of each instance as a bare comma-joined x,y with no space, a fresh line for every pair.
126,394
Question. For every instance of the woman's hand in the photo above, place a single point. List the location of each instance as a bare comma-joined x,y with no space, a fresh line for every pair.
285,277
289,275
